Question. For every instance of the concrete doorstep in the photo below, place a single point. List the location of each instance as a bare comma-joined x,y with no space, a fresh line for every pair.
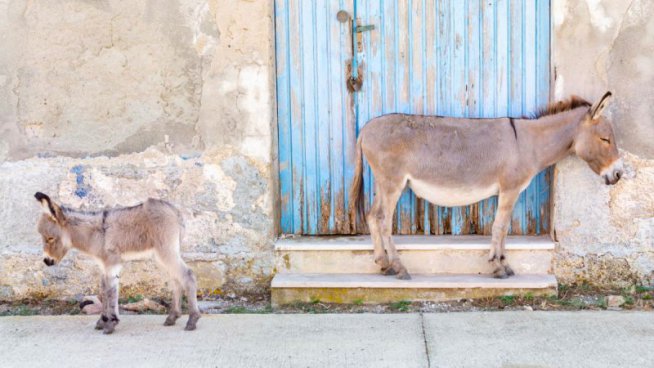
469,339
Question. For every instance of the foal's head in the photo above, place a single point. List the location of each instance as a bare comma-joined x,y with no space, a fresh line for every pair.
595,143
56,240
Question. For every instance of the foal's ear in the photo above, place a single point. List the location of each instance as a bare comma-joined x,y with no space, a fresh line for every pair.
599,107
50,208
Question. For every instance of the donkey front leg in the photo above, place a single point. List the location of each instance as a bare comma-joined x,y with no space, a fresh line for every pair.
110,303
506,201
103,299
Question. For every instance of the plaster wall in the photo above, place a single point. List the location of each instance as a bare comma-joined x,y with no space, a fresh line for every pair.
606,233
107,102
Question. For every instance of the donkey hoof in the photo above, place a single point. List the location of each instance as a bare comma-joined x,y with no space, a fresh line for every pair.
383,262
500,273
509,271
192,322
389,271
99,325
170,321
108,329
404,275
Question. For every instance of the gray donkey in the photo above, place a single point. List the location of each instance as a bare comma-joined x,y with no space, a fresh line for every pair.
458,161
112,236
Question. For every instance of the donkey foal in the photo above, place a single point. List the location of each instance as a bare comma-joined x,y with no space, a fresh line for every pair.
112,236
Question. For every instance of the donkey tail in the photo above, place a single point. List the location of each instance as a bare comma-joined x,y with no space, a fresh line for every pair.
356,191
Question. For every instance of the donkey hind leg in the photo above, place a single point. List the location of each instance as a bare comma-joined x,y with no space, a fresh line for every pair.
388,208
110,302
497,258
507,269
381,257
190,285
176,306
183,275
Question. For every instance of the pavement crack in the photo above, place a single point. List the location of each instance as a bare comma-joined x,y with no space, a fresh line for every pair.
424,338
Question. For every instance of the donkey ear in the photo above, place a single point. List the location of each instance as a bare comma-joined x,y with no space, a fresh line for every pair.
599,107
50,208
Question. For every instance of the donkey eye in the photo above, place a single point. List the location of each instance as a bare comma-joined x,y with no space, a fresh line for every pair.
606,140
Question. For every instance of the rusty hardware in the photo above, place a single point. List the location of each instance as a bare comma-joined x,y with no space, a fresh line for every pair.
355,81
343,16
360,29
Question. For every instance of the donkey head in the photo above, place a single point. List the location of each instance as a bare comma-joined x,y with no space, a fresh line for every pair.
595,143
56,240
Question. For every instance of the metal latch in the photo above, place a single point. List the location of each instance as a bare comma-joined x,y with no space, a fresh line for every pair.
359,29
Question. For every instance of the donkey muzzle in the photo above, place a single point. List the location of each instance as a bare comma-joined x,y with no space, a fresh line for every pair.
48,261
613,177
613,173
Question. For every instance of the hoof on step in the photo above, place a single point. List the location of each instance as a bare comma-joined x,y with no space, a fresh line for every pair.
389,271
501,275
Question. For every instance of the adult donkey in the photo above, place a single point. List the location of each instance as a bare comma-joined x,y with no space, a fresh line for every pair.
112,236
458,161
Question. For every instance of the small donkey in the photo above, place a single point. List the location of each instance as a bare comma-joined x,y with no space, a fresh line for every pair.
112,236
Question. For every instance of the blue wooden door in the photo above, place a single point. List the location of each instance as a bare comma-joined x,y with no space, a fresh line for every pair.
464,58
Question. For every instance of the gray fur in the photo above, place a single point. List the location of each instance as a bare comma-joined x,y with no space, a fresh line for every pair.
459,161
112,236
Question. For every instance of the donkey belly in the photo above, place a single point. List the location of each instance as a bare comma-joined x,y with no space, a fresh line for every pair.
451,196
137,255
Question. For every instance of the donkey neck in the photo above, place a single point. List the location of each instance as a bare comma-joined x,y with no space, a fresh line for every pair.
86,230
552,137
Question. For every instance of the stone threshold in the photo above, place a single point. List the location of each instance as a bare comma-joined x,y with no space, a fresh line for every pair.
410,242
418,281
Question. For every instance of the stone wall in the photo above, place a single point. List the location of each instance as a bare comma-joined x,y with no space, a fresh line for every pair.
105,103
606,233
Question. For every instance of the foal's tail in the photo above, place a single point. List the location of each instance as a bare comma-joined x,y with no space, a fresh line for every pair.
356,191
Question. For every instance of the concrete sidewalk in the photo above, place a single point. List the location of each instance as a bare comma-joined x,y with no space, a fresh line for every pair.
470,339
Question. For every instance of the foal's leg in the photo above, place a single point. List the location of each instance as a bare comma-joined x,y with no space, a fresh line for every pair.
169,263
110,304
176,306
506,201
184,277
190,284
103,299
373,219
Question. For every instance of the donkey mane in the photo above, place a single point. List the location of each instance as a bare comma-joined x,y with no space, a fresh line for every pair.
560,106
